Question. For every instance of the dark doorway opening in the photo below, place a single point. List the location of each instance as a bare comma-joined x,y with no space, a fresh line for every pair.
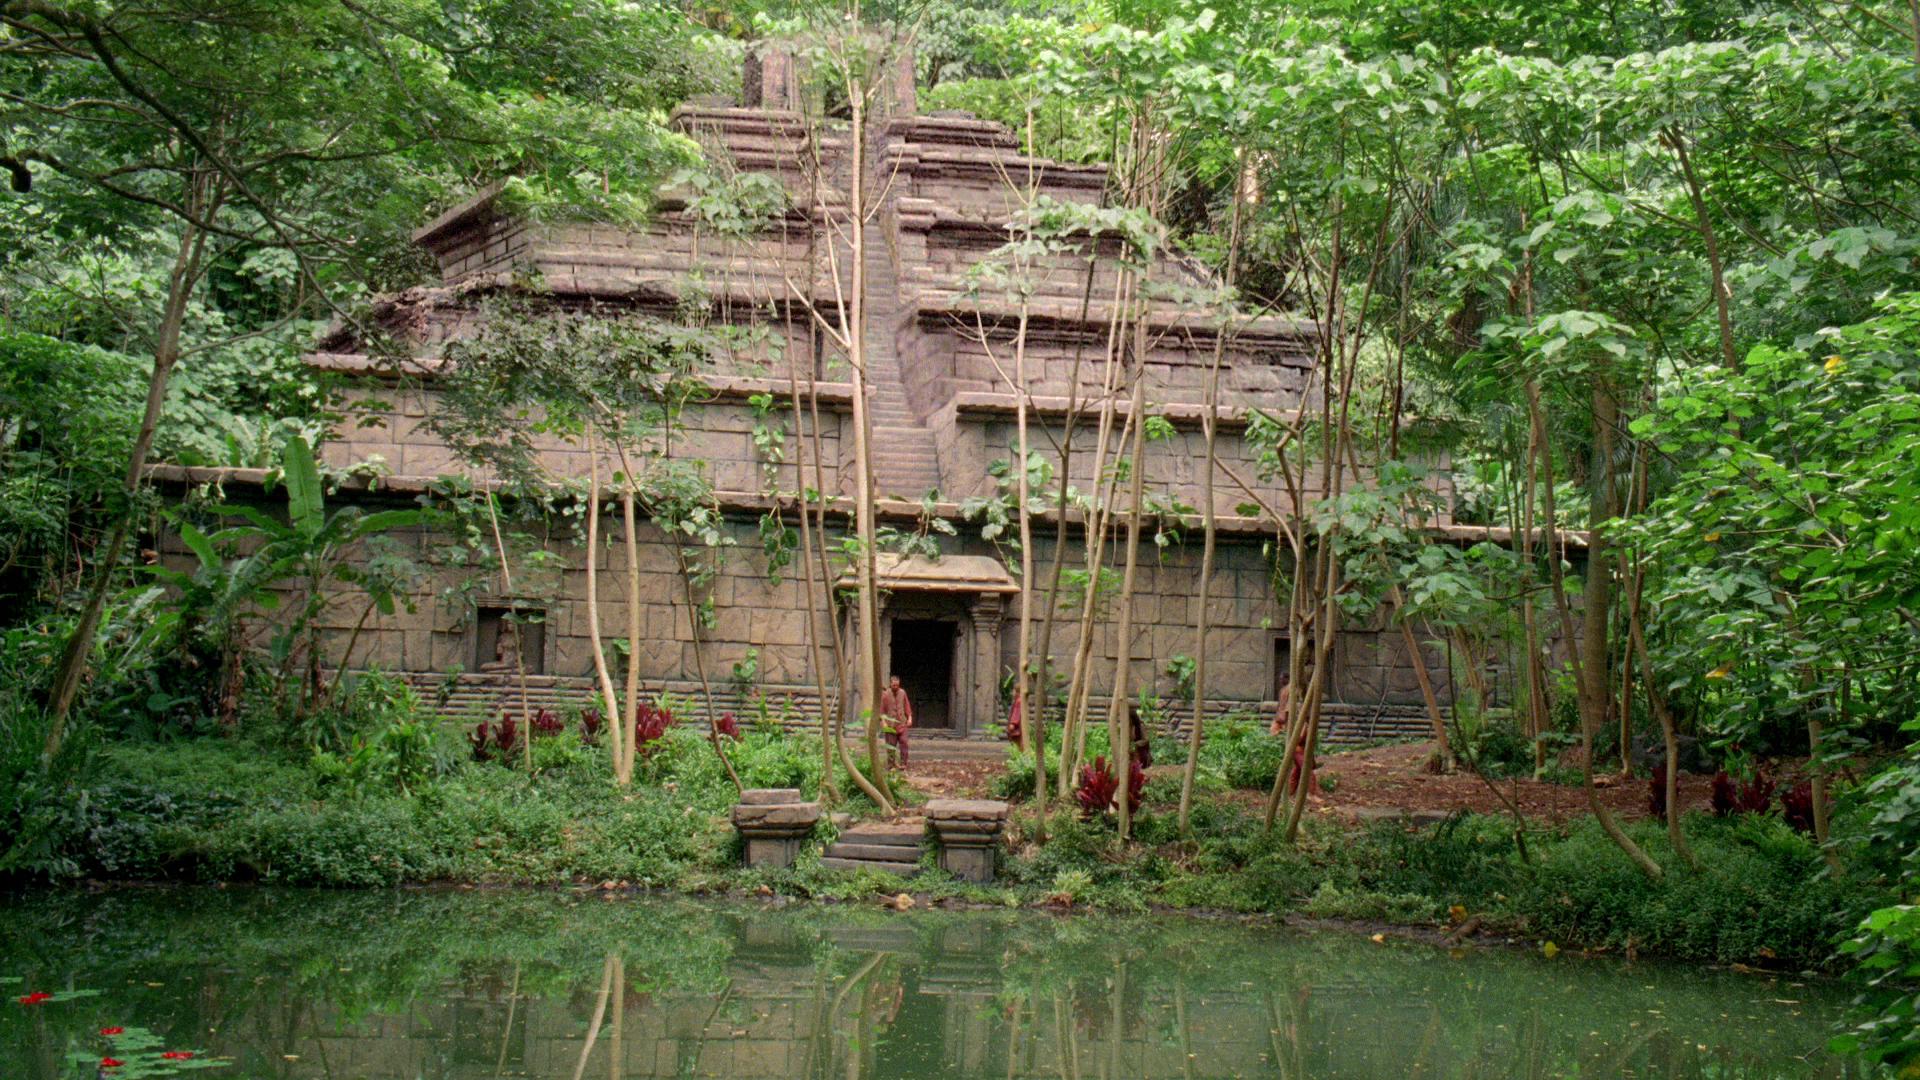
1282,661
922,656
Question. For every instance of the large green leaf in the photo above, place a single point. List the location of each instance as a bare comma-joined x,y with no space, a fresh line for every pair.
306,503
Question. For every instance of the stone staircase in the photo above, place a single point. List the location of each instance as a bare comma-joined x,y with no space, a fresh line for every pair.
905,462
895,849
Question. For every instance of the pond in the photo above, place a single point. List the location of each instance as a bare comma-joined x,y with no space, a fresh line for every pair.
477,983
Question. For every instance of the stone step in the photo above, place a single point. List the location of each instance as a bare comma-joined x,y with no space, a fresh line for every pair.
874,852
894,836
902,869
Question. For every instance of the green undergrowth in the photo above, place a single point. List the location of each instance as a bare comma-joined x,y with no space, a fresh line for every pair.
229,810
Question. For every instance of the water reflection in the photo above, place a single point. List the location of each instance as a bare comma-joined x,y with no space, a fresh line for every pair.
514,984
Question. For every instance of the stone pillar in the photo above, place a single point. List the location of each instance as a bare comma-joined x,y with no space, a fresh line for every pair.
774,822
985,615
968,831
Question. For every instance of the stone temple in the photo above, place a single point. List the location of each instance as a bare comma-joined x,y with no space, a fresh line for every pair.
942,188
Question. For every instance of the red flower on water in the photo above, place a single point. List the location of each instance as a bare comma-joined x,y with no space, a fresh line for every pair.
113,1031
110,1063
177,1055
35,998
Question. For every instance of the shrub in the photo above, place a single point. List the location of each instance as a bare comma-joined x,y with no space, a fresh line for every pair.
1332,902
1099,789
1758,894
1728,796
1796,807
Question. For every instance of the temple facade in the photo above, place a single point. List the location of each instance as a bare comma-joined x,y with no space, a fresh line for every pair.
940,192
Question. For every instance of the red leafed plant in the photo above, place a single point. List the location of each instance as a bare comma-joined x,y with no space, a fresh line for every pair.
590,725
479,741
1657,792
1751,797
505,734
1797,806
546,724
727,726
1098,787
650,725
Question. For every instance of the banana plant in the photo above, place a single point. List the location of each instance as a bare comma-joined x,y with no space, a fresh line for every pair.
292,562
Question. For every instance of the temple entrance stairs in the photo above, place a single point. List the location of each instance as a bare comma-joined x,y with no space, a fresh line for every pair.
895,848
905,462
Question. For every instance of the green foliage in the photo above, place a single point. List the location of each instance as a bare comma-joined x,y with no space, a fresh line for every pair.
1885,950
1333,902
1760,893
1240,751
303,555
68,414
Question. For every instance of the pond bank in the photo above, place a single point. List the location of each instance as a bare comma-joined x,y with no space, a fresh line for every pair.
218,811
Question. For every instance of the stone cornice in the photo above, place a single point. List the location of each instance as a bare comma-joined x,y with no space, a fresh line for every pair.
753,504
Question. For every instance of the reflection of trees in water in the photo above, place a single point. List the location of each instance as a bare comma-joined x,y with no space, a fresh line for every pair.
847,994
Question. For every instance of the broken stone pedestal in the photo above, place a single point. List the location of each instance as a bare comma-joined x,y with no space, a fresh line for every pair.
968,830
774,821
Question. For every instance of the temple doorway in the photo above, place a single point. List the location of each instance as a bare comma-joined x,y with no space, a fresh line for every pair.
922,655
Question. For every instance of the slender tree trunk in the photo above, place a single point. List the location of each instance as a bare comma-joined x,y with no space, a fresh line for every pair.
1058,567
76,656
1817,779
599,1014
629,521
814,594
1093,531
1722,296
1197,730
1119,733
1427,694
1032,719
1657,704
618,744
1590,652
868,597
1073,734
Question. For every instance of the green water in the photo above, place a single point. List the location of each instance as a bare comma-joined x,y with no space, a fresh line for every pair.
407,985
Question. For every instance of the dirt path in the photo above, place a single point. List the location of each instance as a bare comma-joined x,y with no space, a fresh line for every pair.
1395,776
1380,777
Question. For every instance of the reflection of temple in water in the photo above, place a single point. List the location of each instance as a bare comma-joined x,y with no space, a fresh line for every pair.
905,1000
887,1001
466,986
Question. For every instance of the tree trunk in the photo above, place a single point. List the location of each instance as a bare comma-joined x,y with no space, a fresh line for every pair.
814,595
1119,734
868,597
1032,720
1590,652
618,744
1196,730
76,657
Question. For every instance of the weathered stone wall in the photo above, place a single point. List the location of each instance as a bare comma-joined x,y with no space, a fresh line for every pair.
389,422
